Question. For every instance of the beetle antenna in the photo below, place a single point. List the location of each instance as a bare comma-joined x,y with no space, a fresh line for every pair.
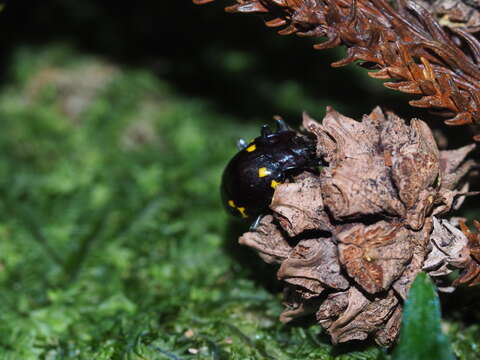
281,124
265,131
241,144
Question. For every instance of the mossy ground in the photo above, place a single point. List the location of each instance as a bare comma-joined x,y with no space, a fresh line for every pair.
113,243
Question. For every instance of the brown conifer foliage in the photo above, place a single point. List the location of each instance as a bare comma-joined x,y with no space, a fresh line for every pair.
471,273
404,44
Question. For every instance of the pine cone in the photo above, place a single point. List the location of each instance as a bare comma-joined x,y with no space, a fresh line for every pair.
350,240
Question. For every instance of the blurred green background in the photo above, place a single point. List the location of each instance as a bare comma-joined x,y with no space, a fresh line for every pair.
117,121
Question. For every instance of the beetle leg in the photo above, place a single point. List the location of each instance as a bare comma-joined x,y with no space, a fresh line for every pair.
281,124
265,131
255,224
241,144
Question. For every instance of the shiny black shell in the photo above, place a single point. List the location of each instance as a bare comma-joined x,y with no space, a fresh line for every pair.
249,180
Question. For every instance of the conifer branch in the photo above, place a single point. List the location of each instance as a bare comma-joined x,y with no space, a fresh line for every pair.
404,44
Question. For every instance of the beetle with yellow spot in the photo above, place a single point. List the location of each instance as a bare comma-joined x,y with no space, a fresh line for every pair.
251,176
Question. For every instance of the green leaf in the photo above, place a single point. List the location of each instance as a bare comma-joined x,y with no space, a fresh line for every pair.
421,336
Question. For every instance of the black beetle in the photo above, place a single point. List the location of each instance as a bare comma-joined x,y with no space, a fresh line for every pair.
250,178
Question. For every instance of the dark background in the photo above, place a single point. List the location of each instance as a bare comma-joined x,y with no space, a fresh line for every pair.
233,60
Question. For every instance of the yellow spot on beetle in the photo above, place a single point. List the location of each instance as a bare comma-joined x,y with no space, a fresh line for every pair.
242,212
251,148
274,184
262,172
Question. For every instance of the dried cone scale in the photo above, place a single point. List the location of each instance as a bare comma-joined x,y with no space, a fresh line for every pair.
350,240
